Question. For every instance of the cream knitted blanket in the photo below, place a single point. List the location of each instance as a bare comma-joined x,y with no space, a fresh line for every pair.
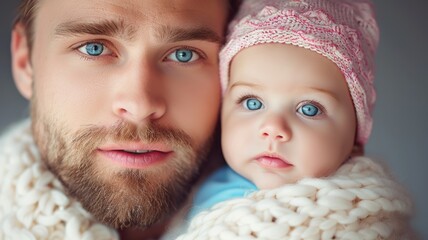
33,204
360,201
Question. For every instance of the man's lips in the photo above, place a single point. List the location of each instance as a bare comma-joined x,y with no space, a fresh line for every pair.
136,155
272,161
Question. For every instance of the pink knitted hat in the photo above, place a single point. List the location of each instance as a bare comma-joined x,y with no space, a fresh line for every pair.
344,31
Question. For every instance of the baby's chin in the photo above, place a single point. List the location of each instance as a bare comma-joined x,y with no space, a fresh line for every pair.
273,180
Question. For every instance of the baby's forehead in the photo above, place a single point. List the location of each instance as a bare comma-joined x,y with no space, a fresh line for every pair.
271,64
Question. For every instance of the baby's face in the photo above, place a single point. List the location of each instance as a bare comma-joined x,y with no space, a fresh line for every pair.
287,114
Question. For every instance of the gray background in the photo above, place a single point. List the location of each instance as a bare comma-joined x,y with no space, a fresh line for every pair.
401,115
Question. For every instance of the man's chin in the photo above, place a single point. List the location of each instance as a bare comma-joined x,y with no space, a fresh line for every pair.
129,198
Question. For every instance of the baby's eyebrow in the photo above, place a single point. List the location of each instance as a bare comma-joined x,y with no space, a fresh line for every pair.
325,92
243,84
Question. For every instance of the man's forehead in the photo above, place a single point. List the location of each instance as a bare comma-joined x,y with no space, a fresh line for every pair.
134,10
130,16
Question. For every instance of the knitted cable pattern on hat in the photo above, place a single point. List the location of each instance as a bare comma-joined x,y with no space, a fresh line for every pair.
33,204
360,201
344,31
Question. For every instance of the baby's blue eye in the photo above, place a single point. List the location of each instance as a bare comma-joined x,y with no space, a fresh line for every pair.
253,104
94,49
309,110
183,55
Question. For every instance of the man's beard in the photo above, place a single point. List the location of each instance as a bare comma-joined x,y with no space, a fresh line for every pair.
120,198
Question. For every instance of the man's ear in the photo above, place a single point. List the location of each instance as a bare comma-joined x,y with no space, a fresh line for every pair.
21,63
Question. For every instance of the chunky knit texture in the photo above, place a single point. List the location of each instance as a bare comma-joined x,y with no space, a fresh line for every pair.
360,201
344,31
33,204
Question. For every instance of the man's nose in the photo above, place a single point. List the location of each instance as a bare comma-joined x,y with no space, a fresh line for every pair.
138,95
275,128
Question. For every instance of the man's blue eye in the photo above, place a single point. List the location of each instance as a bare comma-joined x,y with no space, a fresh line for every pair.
309,110
253,104
183,55
94,49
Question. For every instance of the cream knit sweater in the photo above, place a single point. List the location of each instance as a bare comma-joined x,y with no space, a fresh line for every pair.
360,201
33,204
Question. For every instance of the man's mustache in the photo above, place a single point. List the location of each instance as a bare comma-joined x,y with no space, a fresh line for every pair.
129,132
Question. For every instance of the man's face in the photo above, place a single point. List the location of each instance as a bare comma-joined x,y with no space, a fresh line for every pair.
125,97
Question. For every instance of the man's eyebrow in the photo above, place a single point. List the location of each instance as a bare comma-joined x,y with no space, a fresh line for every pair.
177,34
113,28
